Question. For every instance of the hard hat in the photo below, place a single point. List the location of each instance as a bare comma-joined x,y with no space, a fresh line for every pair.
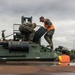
34,25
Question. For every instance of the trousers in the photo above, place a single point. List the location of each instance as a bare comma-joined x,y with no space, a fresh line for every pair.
49,35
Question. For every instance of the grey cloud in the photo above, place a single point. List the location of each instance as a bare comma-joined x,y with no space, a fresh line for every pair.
51,7
56,10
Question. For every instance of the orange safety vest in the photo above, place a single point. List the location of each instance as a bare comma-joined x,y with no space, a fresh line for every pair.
64,60
49,28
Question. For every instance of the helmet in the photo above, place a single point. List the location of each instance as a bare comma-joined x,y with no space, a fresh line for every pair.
34,25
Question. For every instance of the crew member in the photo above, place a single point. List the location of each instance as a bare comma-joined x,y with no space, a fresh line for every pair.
64,59
28,30
50,31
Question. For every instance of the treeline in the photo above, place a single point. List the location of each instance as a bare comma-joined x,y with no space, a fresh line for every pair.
71,53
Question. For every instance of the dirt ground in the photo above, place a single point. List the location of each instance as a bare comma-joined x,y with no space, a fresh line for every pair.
10,69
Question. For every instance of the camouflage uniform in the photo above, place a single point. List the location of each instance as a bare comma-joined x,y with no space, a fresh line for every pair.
28,30
49,34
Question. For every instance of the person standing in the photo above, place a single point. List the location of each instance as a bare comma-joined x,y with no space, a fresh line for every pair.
50,31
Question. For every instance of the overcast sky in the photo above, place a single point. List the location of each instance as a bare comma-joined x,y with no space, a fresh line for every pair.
60,12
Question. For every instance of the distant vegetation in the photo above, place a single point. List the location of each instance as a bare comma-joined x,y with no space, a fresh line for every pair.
71,53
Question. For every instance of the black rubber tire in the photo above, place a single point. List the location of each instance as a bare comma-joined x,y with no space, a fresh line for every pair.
39,33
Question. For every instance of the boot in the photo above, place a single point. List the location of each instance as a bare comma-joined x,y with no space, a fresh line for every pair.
49,45
31,41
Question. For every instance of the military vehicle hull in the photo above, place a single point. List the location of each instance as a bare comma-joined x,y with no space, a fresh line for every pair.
14,51
21,49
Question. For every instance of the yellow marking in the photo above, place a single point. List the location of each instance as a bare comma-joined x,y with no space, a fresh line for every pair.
60,57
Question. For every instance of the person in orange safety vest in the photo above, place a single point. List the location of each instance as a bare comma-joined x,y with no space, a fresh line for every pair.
50,31
64,59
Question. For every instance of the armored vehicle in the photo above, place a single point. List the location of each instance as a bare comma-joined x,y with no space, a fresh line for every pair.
20,49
